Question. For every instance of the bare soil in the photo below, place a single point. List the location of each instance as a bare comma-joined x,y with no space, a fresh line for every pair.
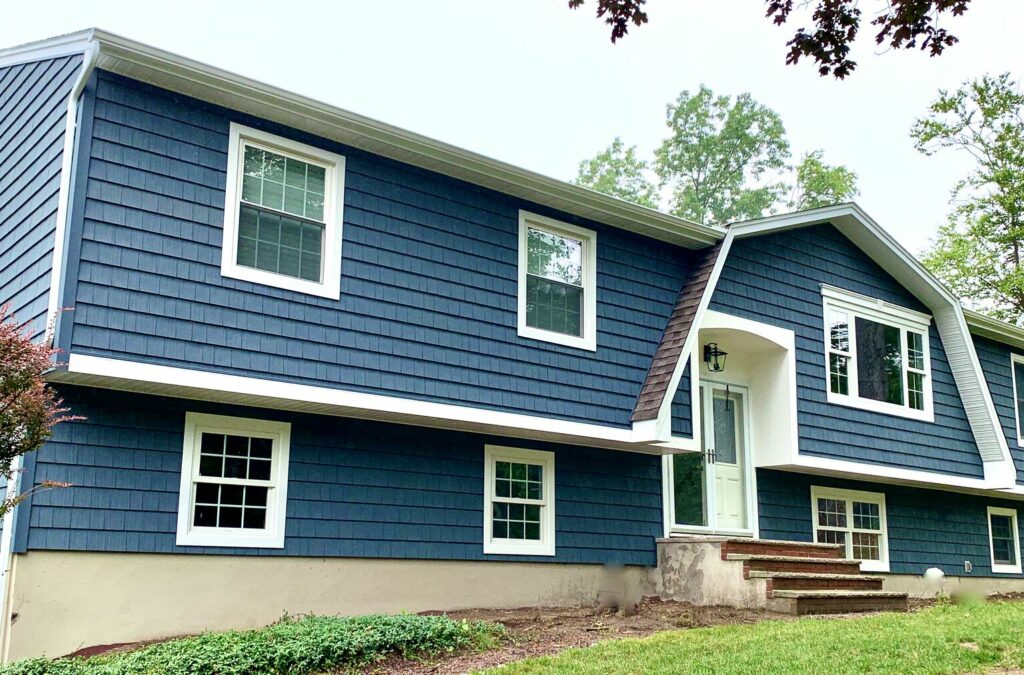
533,631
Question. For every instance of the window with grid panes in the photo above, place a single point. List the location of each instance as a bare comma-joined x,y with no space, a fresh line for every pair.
854,520
519,501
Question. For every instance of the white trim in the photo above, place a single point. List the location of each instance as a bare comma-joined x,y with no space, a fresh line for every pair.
887,474
273,535
546,545
192,78
57,262
998,568
849,496
51,48
140,377
906,320
588,240
334,186
1014,360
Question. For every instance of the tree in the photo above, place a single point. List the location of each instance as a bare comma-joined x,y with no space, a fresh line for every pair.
978,252
819,184
29,407
721,157
902,24
618,172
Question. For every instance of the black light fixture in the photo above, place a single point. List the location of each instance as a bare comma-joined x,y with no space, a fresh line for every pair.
714,357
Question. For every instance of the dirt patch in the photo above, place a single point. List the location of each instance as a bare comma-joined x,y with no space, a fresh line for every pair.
533,631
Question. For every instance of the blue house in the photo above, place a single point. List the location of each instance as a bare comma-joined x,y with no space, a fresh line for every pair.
331,366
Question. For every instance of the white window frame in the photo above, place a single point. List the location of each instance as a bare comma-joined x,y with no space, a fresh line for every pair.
546,545
1014,360
998,568
588,340
272,536
856,305
334,190
850,496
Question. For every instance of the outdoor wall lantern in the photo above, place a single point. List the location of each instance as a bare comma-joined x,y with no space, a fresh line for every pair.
714,357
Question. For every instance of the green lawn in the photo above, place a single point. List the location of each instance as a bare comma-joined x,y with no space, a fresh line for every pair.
942,639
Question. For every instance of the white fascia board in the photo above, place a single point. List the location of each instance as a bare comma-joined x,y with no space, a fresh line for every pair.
146,378
949,317
192,78
51,48
994,329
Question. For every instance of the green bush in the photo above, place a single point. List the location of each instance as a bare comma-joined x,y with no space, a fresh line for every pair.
309,645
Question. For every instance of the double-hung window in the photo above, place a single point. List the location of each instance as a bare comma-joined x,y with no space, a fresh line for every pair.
876,355
1017,376
519,501
234,482
283,213
557,282
854,519
1004,540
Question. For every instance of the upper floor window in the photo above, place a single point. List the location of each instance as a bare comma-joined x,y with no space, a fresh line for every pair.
557,282
234,482
1017,375
877,355
283,213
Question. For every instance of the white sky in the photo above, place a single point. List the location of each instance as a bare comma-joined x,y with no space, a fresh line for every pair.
532,83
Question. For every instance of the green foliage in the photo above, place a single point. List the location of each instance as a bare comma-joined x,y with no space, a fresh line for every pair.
721,156
618,172
978,252
819,184
942,639
310,645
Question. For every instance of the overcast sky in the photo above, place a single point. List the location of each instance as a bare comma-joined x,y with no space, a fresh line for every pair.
532,83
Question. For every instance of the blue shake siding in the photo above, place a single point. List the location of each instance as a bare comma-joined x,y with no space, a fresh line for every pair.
995,363
428,289
33,109
777,279
356,488
926,528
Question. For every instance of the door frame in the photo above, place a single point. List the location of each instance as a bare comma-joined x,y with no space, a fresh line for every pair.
668,491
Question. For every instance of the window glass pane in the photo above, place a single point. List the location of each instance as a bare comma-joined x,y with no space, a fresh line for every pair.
554,306
229,517
831,537
1018,374
689,486
839,374
879,362
274,243
839,331
915,390
282,183
866,546
1003,539
554,257
831,512
915,350
205,516
866,516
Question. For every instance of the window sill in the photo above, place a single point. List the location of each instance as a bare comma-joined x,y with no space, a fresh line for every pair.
1006,569
513,547
873,566
880,407
587,342
331,292
230,539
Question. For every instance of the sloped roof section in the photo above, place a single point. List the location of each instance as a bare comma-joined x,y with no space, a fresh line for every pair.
673,342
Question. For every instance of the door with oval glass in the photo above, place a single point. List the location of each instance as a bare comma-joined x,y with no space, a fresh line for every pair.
711,490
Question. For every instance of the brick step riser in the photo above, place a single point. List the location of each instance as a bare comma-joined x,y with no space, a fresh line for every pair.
847,605
779,550
823,585
799,566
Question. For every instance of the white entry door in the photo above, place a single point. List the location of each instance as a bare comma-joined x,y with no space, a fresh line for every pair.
711,490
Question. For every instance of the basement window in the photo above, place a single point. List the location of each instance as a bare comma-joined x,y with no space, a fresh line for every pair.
854,519
557,282
1004,540
519,501
234,482
876,355
283,213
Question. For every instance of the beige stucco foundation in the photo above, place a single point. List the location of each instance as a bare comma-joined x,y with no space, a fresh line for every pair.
64,601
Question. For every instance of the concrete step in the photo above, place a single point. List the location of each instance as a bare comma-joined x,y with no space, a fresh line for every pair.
784,563
796,549
837,602
809,581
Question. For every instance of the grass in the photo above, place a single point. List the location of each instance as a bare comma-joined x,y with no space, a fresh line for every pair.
309,645
941,639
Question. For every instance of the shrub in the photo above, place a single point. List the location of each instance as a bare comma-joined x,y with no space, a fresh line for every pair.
309,645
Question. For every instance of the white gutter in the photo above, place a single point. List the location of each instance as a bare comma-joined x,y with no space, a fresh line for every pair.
89,59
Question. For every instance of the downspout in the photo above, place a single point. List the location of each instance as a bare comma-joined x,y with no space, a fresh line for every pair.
89,59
